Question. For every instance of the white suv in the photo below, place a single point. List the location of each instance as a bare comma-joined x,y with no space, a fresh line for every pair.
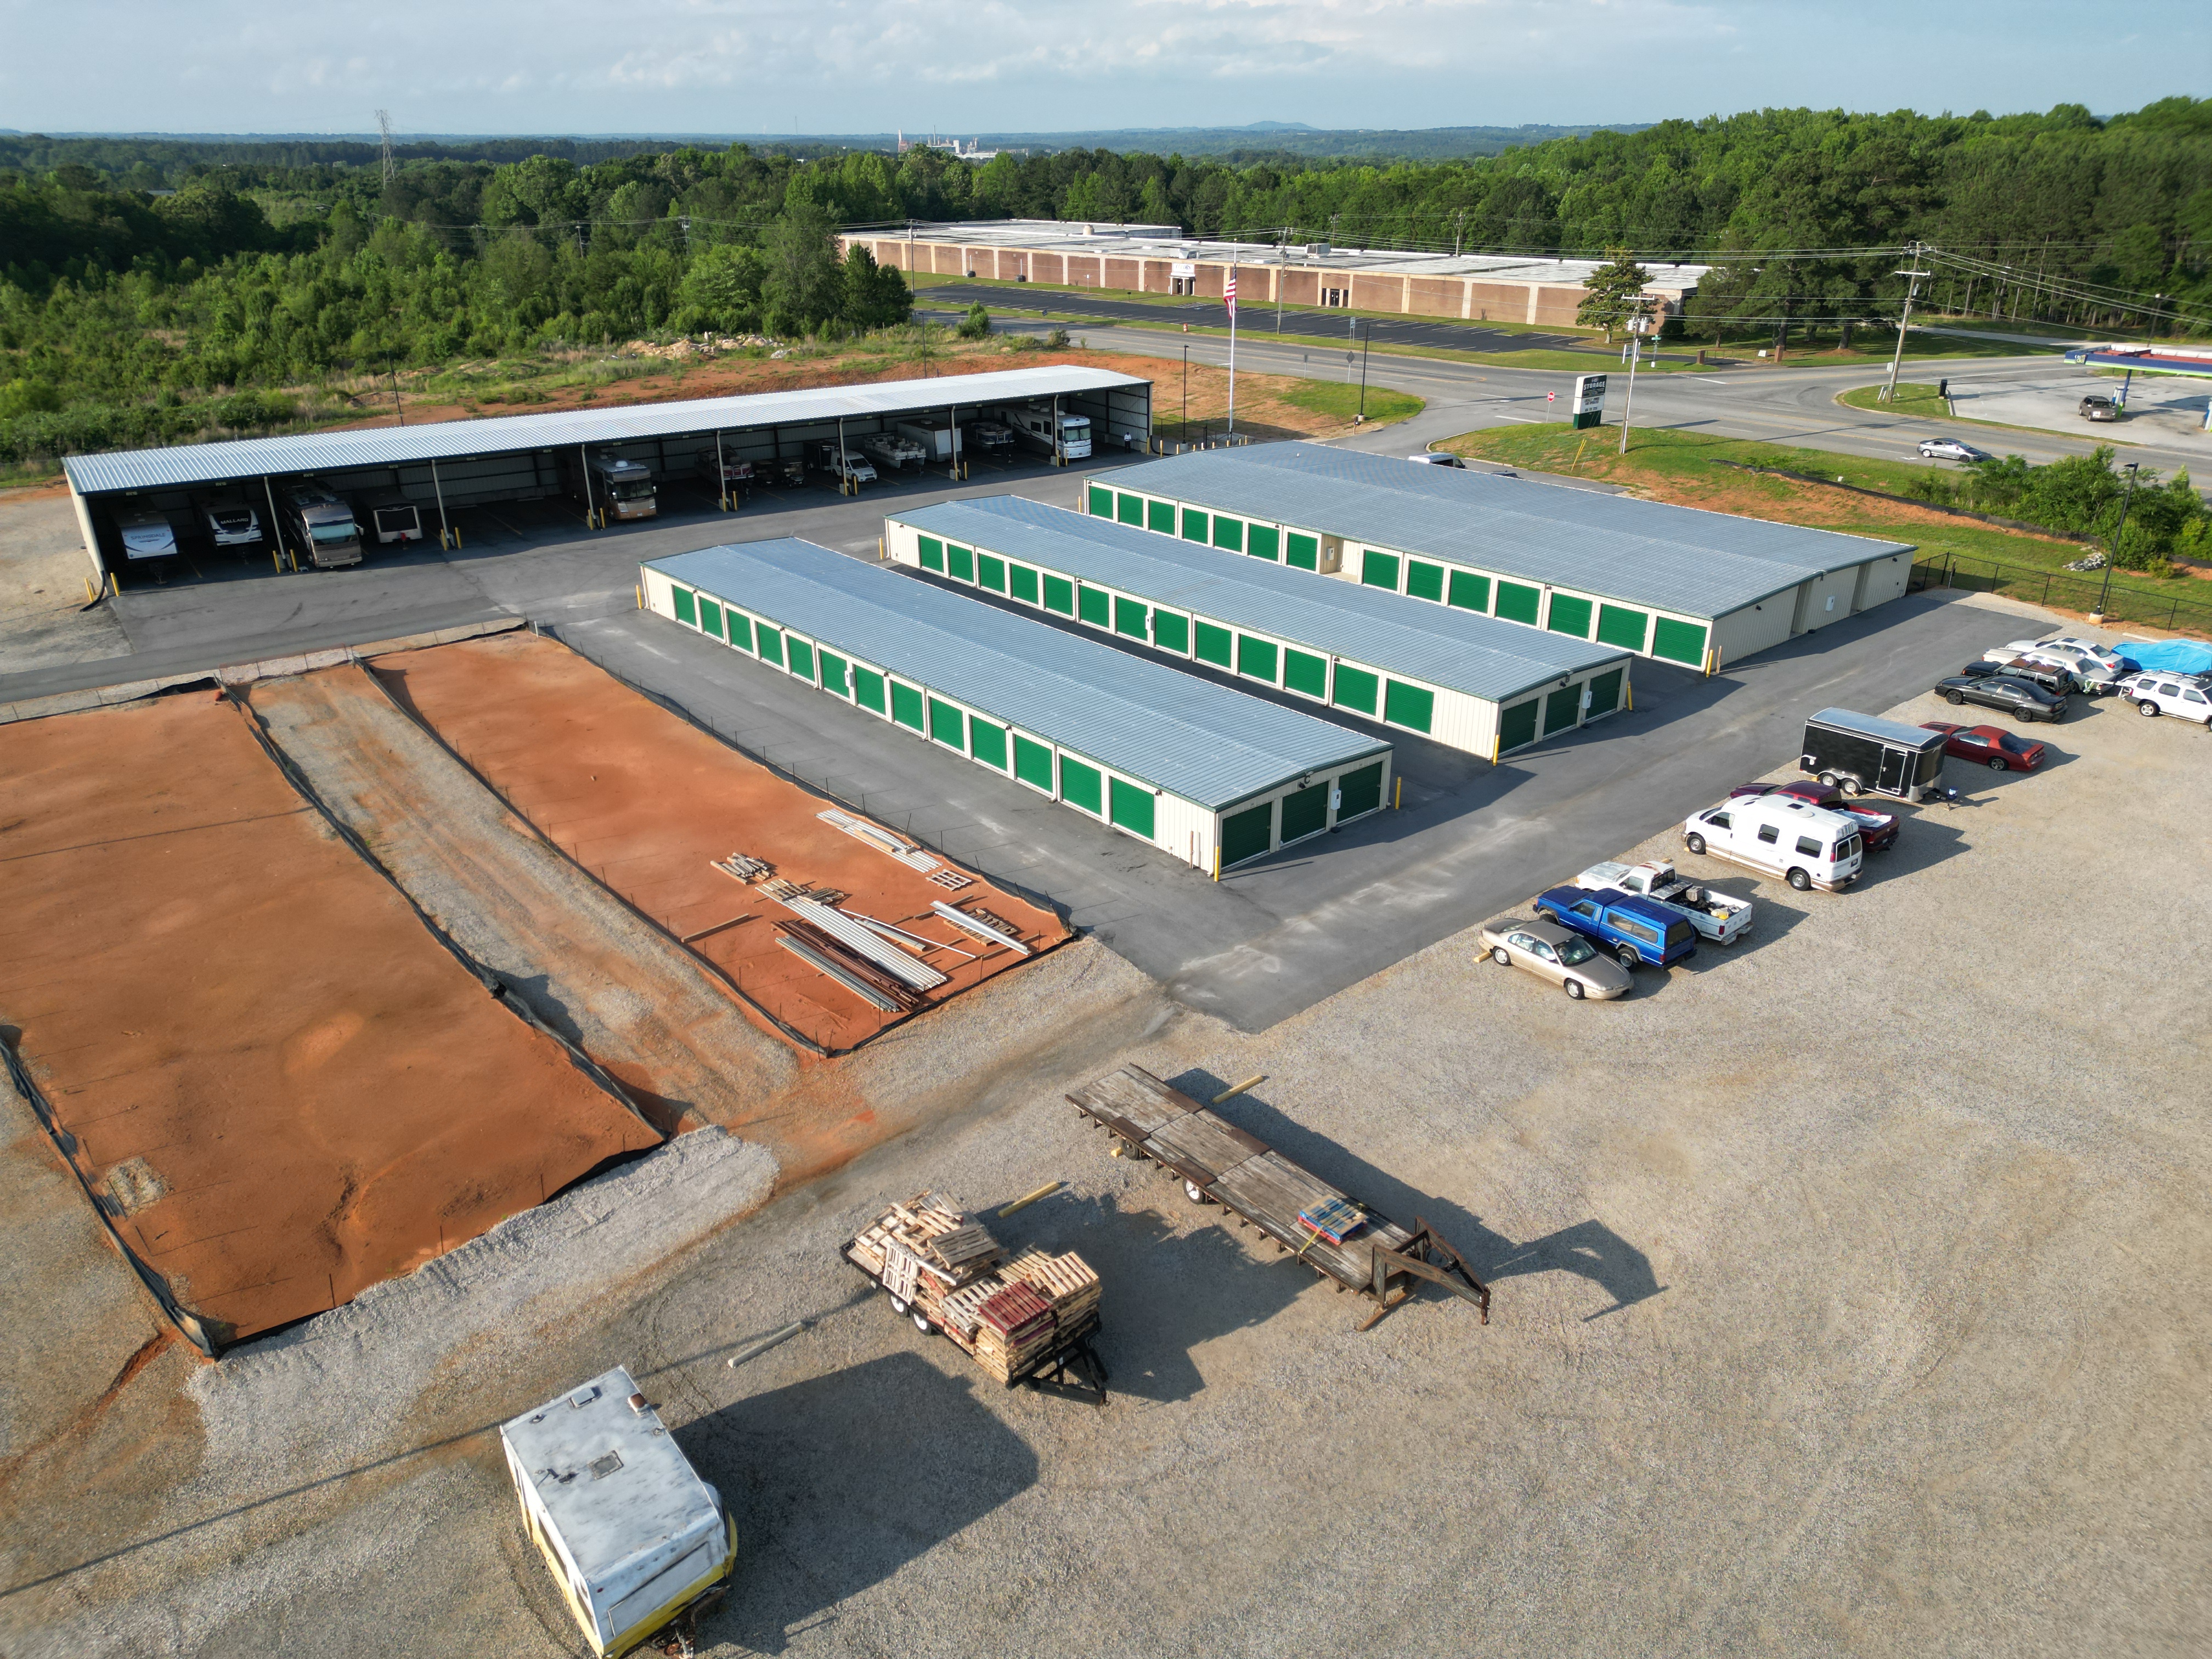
2169,694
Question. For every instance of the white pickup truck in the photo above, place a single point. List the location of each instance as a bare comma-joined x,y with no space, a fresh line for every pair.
1719,917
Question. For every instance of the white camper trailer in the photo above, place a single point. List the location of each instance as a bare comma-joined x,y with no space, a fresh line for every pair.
635,1539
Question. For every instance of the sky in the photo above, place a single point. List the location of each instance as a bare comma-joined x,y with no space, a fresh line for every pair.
780,67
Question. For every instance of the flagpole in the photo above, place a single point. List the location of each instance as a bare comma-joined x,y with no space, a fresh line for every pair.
1232,351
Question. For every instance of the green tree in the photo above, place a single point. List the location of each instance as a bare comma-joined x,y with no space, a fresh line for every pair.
724,285
803,285
977,324
1614,293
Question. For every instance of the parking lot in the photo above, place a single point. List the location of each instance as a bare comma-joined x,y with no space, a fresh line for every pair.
1845,1301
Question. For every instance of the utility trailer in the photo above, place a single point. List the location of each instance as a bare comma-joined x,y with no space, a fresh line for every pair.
1030,1319
1332,1233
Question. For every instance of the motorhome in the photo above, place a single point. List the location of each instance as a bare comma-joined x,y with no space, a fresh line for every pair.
146,534
392,518
615,486
635,1540
1035,426
320,528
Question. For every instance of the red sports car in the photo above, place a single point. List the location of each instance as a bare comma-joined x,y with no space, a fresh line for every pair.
1877,829
1988,745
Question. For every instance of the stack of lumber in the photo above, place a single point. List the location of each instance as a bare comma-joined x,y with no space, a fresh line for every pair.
863,978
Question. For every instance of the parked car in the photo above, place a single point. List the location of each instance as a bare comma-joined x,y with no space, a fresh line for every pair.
2015,697
2099,407
1877,829
1721,917
1950,449
1638,930
1986,746
2094,675
2051,677
842,464
1780,835
1557,954
2169,694
1437,458
2084,652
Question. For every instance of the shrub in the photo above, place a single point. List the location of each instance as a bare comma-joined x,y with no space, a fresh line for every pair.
977,323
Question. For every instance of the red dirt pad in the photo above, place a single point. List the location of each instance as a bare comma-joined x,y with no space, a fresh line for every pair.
647,802
283,1087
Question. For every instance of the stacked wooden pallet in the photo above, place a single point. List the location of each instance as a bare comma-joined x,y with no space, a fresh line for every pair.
1015,1327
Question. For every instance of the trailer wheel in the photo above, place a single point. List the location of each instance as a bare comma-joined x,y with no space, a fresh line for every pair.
922,1323
1193,1192
899,1305
1829,778
1851,786
1696,844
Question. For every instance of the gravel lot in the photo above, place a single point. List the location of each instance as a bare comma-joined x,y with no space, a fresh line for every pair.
1846,1303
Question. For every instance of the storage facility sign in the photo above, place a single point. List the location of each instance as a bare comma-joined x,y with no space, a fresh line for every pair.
1184,268
1589,399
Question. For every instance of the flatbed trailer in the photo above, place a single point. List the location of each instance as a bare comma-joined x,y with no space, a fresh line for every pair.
944,1293
1221,1163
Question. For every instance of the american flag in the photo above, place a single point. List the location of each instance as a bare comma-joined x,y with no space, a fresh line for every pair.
1232,294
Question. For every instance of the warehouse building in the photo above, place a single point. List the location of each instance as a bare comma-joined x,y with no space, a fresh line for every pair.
1211,775
1160,259
1673,583
1471,682
443,466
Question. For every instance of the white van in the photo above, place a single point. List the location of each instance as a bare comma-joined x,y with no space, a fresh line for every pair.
1807,846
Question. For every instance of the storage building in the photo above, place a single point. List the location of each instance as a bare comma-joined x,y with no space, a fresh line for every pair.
1212,775
1470,681
1675,583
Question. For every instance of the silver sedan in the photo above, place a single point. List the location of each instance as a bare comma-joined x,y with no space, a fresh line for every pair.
1557,954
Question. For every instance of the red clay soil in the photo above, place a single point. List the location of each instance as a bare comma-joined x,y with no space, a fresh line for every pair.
647,802
284,1088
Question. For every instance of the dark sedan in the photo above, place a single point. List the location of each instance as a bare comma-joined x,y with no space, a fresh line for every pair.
2050,676
1878,830
2017,698
1986,746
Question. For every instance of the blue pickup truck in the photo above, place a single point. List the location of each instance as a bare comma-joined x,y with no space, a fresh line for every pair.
1636,930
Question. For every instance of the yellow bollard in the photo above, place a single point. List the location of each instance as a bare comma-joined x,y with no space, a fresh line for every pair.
641,599
276,560
90,597
1398,794
114,587
1216,864
1630,690
456,538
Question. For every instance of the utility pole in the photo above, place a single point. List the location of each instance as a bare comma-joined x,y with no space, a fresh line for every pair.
1184,432
1912,252
1459,230
2112,558
391,166
1365,337
1233,349
1635,353
1282,249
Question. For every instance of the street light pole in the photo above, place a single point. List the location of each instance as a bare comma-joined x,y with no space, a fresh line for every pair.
2112,557
1912,276
1635,355
1366,336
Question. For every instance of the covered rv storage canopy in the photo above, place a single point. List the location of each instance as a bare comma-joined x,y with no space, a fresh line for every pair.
1210,775
1671,582
1470,681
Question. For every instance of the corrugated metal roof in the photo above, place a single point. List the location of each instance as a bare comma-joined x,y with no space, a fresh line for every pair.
331,451
1204,742
1642,553
1882,731
1456,649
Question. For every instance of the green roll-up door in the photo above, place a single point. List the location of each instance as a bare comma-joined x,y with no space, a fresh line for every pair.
991,573
1022,583
835,669
801,657
1171,631
1303,551
1305,672
1355,688
1129,618
1079,786
1094,605
986,742
1130,509
1247,834
933,553
1060,595
1194,525
906,705
1255,658
1560,707
1408,706
1213,645
1160,516
1618,625
1362,792
1679,641
1229,534
1468,591
1102,501
1605,692
1130,807
1425,581
959,563
1378,569
1516,725
771,645
741,628
686,611
1518,604
1305,811
868,688
1568,616
1033,763
1263,541
710,616
948,725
